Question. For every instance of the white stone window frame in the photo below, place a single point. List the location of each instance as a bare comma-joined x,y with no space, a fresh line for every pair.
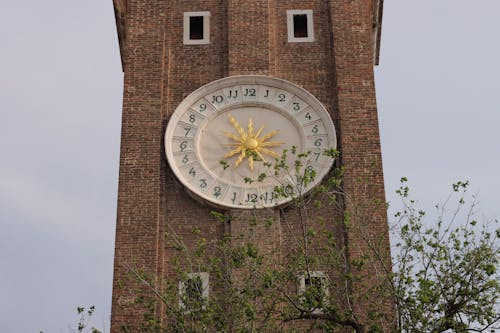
204,277
290,25
324,286
206,28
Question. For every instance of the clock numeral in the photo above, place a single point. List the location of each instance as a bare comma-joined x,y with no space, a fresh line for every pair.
267,197
282,97
217,99
249,92
315,129
232,94
217,191
233,199
308,116
296,106
185,159
288,189
251,197
310,168
192,118
317,154
203,107
318,142
187,129
183,145
192,172
203,183
267,93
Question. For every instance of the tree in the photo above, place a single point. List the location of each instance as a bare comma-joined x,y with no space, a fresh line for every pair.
82,326
443,276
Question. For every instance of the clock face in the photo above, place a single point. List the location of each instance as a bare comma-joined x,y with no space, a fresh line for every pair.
225,139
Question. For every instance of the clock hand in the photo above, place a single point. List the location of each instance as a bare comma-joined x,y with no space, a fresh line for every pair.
258,132
233,152
250,162
271,144
232,136
270,152
268,136
240,158
250,128
260,156
236,125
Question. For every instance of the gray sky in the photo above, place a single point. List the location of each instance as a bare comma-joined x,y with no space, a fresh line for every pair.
438,93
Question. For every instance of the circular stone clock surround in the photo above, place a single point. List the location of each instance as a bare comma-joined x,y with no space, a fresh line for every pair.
226,134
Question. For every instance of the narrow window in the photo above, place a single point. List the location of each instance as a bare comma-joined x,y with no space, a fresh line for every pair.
196,28
300,26
193,292
313,289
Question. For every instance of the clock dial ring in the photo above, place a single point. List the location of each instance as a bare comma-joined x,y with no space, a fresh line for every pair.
224,135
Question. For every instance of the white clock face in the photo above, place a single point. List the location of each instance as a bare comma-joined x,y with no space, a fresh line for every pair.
223,141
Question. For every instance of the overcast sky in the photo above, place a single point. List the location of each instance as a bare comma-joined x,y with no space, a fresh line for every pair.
438,90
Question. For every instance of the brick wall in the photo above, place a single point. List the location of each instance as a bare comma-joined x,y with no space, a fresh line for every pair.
246,37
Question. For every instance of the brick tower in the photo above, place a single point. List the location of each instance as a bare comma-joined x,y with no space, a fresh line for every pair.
169,49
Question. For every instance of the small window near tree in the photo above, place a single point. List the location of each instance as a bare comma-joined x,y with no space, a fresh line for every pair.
313,290
193,292
196,28
300,26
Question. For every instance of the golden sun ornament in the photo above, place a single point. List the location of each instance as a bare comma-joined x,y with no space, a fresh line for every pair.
249,145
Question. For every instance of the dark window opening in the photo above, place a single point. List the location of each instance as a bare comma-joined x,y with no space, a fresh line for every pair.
314,282
300,26
193,294
314,289
196,27
194,289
